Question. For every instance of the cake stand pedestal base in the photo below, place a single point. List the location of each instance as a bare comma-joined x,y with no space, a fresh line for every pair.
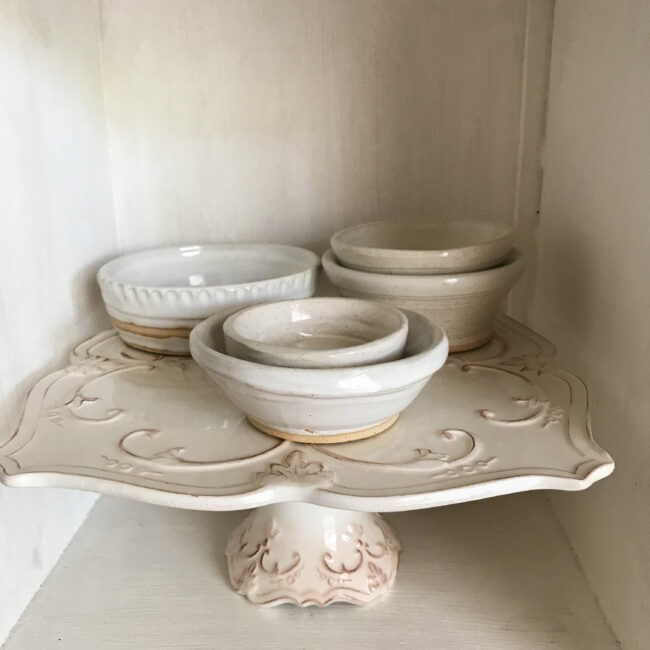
309,555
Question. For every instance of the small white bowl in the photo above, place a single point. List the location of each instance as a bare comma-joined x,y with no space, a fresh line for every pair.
423,247
317,333
464,304
322,405
156,297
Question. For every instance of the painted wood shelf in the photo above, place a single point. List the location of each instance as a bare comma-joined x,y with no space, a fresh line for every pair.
496,573
501,419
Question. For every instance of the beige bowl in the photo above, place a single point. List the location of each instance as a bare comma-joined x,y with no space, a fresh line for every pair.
463,304
423,247
317,333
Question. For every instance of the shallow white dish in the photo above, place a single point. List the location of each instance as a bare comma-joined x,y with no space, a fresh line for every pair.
155,297
423,247
317,333
322,405
465,305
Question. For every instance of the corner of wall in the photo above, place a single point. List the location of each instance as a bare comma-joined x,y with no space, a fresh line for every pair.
57,227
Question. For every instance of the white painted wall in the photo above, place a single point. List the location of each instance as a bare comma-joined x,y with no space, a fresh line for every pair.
56,224
592,296
286,120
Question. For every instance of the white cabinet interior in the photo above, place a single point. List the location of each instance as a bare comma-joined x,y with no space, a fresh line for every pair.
124,125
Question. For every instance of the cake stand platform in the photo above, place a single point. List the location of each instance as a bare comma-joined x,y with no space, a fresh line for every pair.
500,419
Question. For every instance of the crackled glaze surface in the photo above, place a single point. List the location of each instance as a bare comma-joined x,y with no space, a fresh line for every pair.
500,419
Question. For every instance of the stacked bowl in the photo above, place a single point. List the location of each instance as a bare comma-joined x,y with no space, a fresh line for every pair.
317,370
155,297
320,370
456,273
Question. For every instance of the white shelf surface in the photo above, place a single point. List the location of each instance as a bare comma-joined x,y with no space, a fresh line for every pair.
489,574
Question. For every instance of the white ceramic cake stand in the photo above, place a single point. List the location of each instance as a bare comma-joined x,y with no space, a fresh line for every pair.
493,421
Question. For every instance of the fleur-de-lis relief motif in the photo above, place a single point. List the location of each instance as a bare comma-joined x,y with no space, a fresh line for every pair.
296,466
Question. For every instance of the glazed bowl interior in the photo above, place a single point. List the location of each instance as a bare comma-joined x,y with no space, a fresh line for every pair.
422,236
208,265
317,332
425,348
423,247
322,404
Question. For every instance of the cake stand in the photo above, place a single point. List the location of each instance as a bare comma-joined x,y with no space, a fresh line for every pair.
500,419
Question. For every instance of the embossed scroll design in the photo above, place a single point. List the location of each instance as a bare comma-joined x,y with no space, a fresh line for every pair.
423,457
175,457
540,409
249,561
89,366
270,565
91,370
367,552
92,367
447,435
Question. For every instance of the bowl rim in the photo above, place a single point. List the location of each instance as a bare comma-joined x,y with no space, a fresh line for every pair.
337,239
423,363
105,273
393,284
288,352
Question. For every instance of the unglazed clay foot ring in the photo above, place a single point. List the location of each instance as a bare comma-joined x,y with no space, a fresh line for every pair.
326,439
465,347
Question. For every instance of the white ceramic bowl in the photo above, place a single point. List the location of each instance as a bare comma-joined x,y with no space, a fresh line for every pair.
423,247
156,297
464,304
322,405
317,333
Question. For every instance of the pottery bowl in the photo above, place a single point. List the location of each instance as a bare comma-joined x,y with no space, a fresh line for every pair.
317,333
156,297
423,247
465,305
322,405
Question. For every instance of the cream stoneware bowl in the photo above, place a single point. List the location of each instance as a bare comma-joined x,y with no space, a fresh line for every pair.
317,333
322,405
423,247
463,304
156,297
